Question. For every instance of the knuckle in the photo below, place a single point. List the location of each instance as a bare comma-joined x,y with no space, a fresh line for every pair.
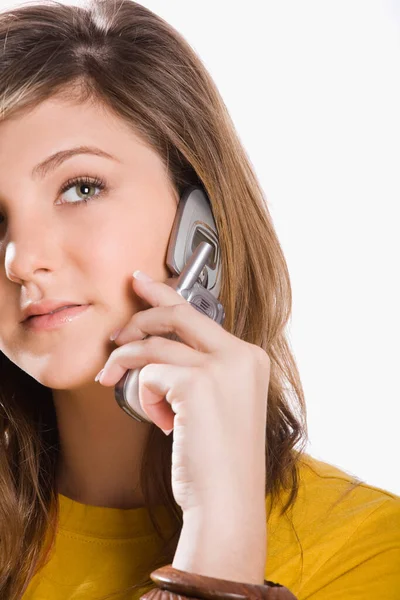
259,354
181,311
151,342
249,351
134,323
262,356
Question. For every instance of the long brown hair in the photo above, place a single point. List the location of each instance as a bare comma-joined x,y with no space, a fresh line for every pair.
121,55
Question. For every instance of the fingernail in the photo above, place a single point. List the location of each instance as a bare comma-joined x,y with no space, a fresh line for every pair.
114,335
99,375
142,276
167,431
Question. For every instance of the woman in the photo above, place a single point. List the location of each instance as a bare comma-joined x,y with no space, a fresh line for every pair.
111,99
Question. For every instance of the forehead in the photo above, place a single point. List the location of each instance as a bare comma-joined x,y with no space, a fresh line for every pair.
57,117
57,124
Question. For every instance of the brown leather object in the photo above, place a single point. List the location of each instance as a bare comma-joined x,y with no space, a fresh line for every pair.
174,584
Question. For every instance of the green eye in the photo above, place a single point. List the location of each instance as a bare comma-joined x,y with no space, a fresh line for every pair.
82,187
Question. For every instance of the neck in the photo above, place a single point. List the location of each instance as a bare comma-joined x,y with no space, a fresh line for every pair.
101,448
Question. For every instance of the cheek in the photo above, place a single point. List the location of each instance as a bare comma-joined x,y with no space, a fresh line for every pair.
135,241
132,237
111,256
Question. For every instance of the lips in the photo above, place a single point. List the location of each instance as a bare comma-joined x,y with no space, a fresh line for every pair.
53,311
46,307
56,319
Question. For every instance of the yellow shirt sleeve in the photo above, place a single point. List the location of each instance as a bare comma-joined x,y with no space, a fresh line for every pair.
339,541
367,566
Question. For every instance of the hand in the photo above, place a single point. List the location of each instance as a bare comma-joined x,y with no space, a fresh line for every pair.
210,387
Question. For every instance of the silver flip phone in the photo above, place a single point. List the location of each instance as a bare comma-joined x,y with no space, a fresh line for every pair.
194,255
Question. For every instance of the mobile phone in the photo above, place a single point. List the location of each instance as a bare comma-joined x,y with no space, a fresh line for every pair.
194,255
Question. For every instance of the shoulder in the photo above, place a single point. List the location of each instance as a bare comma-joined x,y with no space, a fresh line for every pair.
336,485
325,489
338,527
337,500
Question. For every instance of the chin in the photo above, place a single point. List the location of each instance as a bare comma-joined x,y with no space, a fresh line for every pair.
65,366
66,375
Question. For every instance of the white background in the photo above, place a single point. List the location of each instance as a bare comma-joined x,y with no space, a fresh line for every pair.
313,88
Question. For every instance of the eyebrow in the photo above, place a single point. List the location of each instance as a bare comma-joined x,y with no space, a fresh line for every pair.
52,162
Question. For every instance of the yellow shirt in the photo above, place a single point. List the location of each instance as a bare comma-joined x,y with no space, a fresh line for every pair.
349,548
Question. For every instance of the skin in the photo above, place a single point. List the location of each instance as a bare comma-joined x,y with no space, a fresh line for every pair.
215,383
84,254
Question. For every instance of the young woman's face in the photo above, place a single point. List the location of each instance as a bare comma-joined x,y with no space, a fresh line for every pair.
54,246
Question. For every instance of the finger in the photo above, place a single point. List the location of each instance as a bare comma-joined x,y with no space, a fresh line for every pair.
158,293
157,384
159,412
193,327
138,354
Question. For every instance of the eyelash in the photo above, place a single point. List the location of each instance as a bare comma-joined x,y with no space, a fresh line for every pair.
86,180
95,181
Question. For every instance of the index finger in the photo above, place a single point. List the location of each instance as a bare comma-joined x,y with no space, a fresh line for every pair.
193,327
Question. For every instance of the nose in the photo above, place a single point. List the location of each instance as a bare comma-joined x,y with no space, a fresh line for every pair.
30,249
